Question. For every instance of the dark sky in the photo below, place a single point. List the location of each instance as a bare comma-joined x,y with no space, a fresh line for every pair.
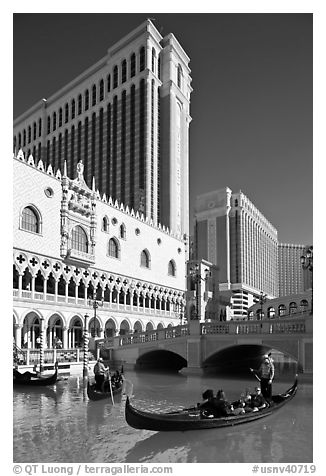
251,103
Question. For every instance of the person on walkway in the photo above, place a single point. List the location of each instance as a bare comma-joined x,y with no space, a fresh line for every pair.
100,372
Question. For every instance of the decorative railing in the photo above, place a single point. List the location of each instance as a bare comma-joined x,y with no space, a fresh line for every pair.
32,356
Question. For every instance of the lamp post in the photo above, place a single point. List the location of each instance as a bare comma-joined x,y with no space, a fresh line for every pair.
85,346
195,274
307,263
262,300
95,305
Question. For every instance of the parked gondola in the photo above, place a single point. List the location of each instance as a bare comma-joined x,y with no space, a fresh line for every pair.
33,379
192,419
95,394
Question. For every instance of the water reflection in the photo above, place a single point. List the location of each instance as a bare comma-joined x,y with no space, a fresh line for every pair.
60,424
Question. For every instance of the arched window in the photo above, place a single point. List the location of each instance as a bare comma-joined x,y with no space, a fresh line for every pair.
145,259
180,74
271,312
79,240
142,59
49,125
60,117
115,77
281,310
153,59
80,104
113,248
66,113
132,65
303,305
86,100
124,71
171,268
123,231
30,220
34,131
29,134
105,224
73,109
39,127
93,95
19,140
101,90
293,307
108,83
54,121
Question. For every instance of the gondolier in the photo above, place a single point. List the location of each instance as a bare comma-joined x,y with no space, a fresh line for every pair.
266,373
100,372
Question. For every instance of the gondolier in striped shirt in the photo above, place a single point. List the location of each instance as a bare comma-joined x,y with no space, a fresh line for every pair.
100,372
266,372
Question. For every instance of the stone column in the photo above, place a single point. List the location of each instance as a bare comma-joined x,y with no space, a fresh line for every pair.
45,285
65,337
20,285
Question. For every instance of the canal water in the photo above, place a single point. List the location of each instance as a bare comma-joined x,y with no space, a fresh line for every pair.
59,424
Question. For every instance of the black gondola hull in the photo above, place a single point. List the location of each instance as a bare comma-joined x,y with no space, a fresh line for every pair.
191,419
94,394
28,379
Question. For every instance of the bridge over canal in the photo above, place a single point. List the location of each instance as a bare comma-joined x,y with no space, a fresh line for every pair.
198,346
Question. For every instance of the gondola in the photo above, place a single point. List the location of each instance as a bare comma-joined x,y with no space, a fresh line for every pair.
191,418
34,380
94,394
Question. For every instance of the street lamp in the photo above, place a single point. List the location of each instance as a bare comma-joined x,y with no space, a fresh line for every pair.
95,305
307,263
85,348
195,274
262,300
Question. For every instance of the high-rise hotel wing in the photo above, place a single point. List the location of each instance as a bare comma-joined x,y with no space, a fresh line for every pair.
127,119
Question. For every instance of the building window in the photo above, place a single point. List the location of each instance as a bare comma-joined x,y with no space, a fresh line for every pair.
105,224
153,59
30,220
94,95
115,77
79,240
171,268
66,113
101,90
86,100
34,131
54,121
142,59
49,124
132,65
39,127
29,134
60,117
80,104
179,76
73,109
113,248
108,83
124,71
123,231
145,259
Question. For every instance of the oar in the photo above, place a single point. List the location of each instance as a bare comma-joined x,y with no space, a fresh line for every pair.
252,371
110,388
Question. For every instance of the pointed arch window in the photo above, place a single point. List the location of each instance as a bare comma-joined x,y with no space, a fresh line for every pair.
113,248
180,75
66,113
86,100
123,231
54,121
101,90
30,220
73,109
80,104
115,77
132,65
93,95
142,59
105,224
171,268
124,71
145,259
79,239
60,117
108,83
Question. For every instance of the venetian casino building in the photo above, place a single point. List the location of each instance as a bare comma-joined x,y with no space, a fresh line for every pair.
127,119
71,242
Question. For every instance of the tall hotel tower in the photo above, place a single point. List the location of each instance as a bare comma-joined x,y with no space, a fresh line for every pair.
232,233
127,118
293,279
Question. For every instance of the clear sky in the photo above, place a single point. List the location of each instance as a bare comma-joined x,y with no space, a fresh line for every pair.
251,104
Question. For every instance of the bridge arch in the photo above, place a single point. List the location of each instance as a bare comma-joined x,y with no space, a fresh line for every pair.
160,359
